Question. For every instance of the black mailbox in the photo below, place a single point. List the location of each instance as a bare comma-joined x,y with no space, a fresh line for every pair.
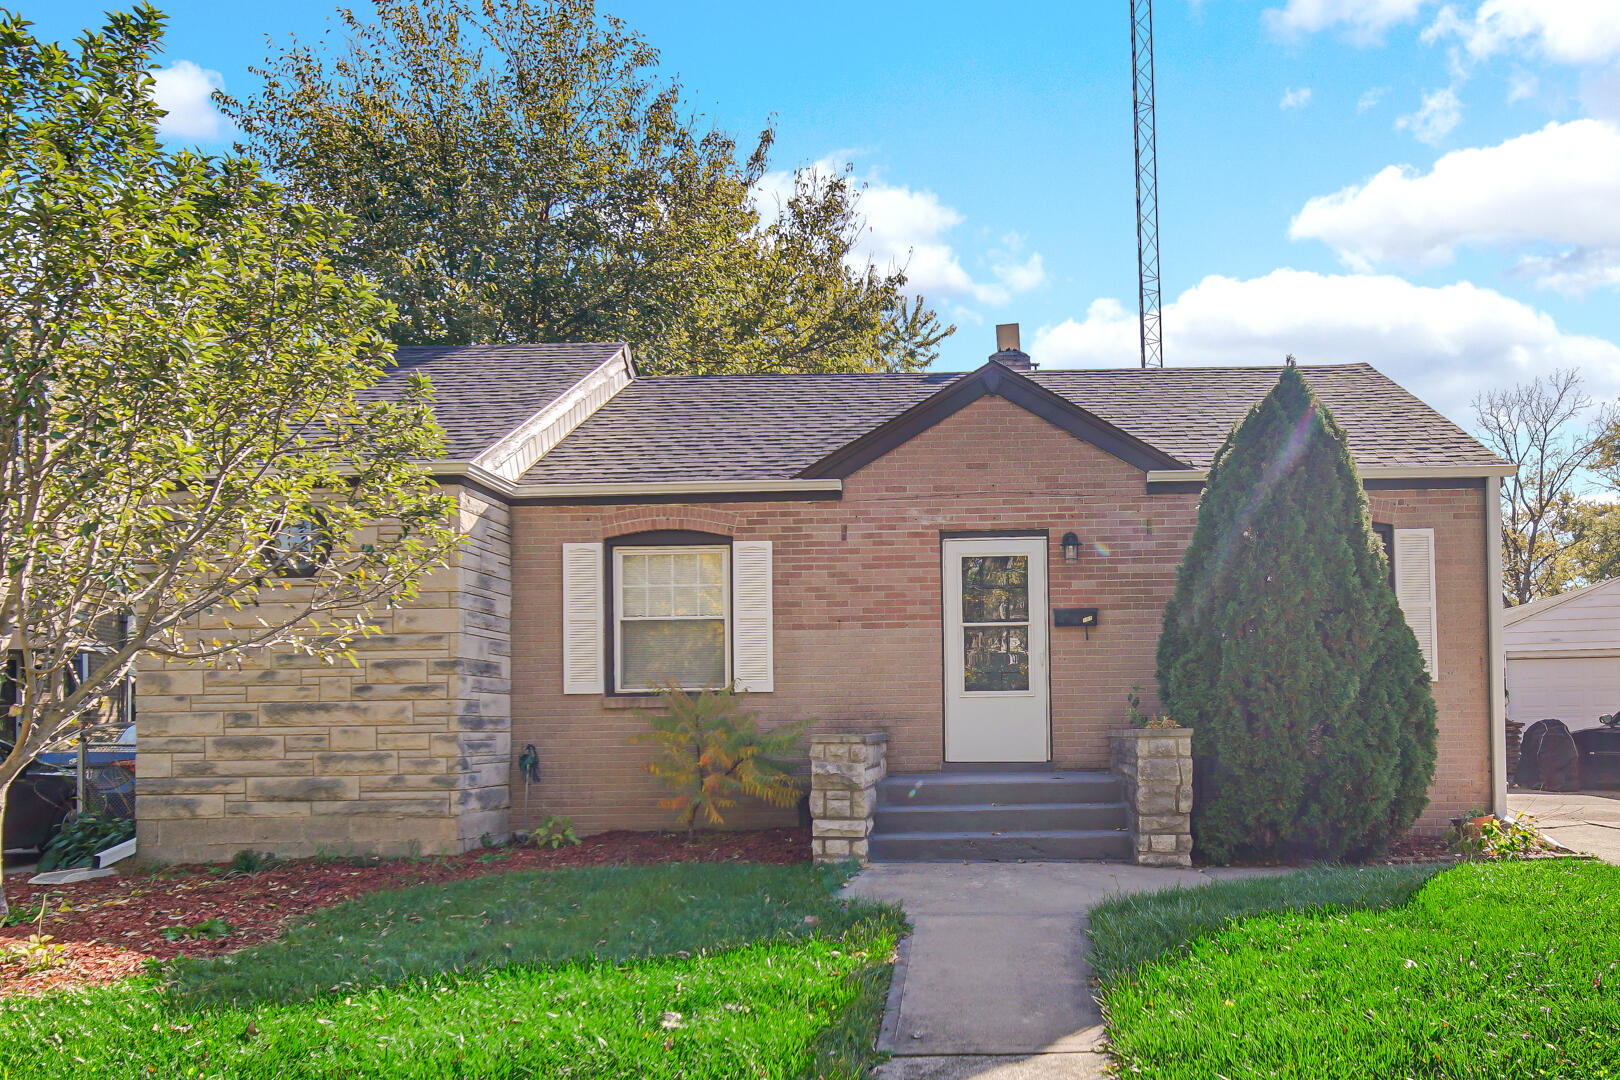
1074,616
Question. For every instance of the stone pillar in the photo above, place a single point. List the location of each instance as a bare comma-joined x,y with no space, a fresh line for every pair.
1156,767
844,772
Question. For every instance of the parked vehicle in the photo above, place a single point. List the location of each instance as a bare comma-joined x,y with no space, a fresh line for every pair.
39,799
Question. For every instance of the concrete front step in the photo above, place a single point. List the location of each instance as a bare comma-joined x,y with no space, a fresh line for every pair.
1007,814
997,817
1039,845
1000,788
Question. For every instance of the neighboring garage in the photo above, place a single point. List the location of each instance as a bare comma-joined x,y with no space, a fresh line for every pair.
1563,656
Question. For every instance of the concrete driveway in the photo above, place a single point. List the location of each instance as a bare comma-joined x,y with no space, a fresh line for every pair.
1587,821
993,983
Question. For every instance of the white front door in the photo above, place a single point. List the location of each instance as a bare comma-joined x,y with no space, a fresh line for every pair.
996,686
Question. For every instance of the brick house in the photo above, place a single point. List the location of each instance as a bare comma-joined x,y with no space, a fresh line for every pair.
972,565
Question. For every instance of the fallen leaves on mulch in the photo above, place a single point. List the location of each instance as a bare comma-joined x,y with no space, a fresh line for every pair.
107,927
1417,849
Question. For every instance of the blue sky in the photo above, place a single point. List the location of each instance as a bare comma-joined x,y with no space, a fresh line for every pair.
1431,188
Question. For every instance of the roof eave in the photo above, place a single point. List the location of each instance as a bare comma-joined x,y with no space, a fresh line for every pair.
1370,472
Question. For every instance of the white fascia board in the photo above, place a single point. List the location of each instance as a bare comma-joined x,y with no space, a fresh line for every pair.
516,452
1371,472
471,471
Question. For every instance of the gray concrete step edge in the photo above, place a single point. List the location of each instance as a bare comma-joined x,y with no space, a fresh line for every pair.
1036,845
942,789
995,817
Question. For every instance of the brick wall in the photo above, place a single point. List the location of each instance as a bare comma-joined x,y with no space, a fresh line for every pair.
858,606
409,751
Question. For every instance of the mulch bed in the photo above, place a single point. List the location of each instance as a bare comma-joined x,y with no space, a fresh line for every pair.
109,927
1417,849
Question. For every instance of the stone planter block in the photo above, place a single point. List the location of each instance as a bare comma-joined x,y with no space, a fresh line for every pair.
844,772
1155,765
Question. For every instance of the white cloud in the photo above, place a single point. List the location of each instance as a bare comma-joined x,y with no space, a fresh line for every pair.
1295,98
1371,98
1565,31
1522,85
909,228
183,91
1575,272
1600,93
1557,186
1364,21
1444,344
1435,118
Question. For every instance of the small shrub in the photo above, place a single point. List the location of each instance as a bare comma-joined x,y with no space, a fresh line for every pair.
36,952
553,832
1484,836
18,916
709,751
81,836
251,862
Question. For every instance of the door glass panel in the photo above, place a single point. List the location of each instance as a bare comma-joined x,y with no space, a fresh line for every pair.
995,588
995,658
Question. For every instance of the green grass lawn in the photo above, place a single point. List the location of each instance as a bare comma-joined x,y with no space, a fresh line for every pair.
1485,970
688,971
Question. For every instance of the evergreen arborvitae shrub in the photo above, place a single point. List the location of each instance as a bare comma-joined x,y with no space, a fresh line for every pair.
1285,652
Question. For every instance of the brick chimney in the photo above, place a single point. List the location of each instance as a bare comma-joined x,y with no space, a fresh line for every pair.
1007,353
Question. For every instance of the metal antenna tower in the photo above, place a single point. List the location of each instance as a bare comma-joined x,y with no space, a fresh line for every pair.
1147,182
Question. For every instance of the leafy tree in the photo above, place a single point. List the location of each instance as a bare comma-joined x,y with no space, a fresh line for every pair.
518,173
182,421
1595,554
1540,427
709,751
1284,650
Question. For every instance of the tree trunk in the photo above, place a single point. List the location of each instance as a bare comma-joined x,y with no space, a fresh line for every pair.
5,904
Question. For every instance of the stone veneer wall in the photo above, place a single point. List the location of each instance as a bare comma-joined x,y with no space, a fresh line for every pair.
844,774
1156,766
409,751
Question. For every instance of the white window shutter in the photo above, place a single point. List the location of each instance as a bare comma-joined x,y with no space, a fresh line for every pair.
751,636
582,593
1415,592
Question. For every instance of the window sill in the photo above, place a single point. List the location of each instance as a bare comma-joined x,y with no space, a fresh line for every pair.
630,701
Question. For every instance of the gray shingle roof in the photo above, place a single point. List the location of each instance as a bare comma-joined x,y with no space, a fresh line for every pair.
1187,412
483,392
770,427
727,427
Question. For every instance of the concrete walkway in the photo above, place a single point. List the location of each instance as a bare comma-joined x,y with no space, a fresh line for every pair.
993,983
1587,821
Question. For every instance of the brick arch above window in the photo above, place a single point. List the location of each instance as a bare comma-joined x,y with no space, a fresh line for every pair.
711,520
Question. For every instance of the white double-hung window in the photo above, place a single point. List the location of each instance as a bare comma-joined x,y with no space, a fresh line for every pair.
671,615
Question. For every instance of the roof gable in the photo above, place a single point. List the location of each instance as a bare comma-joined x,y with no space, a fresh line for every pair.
997,380
1528,613
483,394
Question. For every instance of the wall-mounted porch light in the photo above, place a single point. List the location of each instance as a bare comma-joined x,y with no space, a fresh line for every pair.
1071,547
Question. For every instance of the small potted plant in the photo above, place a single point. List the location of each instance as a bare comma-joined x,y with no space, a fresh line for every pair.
1141,719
